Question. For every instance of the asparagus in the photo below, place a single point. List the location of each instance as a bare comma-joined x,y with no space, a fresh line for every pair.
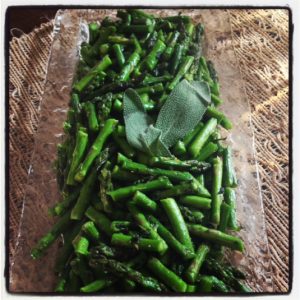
79,150
80,268
144,202
176,58
176,164
105,186
224,217
119,54
196,201
123,144
121,193
185,252
47,240
115,210
216,186
209,283
152,58
100,220
66,250
90,111
216,236
102,66
129,66
222,119
81,245
83,199
202,137
119,226
96,285
191,215
122,175
145,170
120,269
171,44
186,188
230,199
207,150
152,245
91,231
96,148
68,198
108,251
177,222
186,64
193,269
206,284
166,275
229,178
227,277
179,148
146,226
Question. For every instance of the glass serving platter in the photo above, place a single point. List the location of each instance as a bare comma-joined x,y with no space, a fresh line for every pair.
70,30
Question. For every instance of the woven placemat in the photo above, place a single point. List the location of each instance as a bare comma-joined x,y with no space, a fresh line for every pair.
261,43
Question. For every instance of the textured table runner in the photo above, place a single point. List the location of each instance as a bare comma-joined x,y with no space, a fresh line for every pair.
261,43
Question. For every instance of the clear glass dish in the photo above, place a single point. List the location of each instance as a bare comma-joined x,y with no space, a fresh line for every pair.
27,275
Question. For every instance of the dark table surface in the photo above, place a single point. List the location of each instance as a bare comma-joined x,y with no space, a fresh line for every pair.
25,19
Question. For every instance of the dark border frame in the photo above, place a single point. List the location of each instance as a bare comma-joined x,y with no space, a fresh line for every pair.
7,202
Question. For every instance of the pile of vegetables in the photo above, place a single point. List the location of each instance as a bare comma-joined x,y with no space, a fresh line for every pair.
145,206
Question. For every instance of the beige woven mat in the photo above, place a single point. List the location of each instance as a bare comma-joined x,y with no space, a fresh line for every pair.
261,43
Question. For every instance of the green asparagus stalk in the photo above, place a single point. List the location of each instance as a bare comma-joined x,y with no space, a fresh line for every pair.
166,276
207,150
152,245
186,188
144,202
85,81
222,119
185,252
176,164
121,193
101,221
202,137
224,217
196,201
177,222
81,245
96,285
230,199
152,58
170,45
119,226
193,269
78,153
216,236
122,270
144,224
186,64
145,170
84,196
47,240
216,186
191,215
123,144
129,66
90,111
90,230
122,175
229,178
96,148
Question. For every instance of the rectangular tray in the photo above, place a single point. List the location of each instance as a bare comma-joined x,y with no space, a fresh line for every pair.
27,275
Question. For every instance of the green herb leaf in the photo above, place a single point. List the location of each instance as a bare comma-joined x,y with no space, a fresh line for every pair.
182,111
